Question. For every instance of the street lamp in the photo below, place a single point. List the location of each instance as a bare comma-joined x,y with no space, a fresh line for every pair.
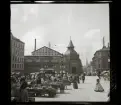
109,63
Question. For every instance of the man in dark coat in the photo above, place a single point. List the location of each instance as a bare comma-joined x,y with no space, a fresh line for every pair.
83,78
78,80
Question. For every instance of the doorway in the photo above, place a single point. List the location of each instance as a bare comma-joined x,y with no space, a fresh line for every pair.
73,70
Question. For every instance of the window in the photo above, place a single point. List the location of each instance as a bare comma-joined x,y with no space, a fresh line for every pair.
13,58
20,65
15,65
18,59
12,65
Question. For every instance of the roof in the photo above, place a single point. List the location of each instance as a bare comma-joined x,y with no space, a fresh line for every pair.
13,37
70,52
48,48
70,44
103,49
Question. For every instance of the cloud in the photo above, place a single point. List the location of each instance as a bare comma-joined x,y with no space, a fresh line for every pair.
91,33
49,23
29,38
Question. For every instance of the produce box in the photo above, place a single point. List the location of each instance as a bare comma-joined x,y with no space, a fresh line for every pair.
42,91
66,82
31,99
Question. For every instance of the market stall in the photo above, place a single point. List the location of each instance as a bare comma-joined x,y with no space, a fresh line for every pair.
41,91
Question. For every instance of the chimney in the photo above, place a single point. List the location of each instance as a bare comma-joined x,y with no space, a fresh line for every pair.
35,45
103,42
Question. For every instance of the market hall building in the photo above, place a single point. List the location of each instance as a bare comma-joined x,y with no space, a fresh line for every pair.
49,59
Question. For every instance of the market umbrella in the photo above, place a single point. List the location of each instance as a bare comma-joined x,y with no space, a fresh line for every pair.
104,72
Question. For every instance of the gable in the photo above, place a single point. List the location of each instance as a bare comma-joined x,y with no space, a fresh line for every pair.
45,51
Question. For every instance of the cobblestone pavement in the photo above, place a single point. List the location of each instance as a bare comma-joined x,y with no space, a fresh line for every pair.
85,92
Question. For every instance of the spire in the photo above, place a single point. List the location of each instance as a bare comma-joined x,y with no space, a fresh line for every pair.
70,44
86,62
35,45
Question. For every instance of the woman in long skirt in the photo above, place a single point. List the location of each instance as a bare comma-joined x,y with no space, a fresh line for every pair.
99,87
75,84
61,88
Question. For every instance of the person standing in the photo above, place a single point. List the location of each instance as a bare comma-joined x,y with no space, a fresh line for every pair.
75,85
83,78
99,87
62,87
23,96
78,80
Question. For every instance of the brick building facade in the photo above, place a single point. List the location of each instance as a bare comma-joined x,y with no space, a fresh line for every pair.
101,59
17,54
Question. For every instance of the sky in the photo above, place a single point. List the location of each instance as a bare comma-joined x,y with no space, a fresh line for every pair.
86,24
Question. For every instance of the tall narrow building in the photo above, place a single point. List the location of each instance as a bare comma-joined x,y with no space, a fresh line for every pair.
17,54
72,60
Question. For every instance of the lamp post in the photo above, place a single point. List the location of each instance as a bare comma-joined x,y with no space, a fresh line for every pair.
109,63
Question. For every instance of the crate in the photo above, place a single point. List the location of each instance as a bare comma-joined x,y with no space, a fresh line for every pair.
31,99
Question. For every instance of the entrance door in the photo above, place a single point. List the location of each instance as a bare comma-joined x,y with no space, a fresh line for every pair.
74,70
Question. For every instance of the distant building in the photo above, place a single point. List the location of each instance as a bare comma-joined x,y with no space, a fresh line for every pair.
17,54
101,59
44,57
88,68
47,58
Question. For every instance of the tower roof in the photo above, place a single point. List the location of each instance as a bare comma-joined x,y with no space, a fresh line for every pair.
70,50
70,44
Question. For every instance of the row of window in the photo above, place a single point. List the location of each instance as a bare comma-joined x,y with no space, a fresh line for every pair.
18,52
17,59
21,66
43,53
102,54
19,45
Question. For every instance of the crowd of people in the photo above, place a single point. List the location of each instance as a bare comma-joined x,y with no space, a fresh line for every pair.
19,83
